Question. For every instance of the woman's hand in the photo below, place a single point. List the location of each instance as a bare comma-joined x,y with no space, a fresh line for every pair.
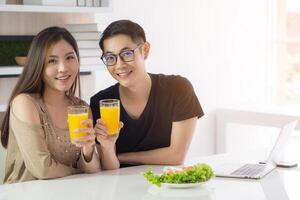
102,136
86,143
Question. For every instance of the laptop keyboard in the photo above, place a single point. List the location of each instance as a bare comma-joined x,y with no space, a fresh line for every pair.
249,170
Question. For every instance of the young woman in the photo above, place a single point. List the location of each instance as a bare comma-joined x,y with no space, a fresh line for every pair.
35,128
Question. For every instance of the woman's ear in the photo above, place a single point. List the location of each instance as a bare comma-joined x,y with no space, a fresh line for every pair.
146,49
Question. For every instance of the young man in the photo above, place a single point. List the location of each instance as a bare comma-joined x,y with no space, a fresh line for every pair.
159,112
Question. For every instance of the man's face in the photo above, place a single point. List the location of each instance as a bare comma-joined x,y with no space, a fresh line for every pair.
129,67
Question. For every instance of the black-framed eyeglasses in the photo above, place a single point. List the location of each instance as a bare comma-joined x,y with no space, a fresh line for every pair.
127,55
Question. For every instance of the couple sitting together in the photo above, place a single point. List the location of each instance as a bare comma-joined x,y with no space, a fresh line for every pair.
158,113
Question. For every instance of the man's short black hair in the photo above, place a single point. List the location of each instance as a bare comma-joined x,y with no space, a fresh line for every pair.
126,27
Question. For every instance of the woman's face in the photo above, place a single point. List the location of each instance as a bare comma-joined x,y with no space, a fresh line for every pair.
129,73
61,67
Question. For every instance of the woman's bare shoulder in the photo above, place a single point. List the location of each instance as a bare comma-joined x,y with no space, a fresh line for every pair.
23,107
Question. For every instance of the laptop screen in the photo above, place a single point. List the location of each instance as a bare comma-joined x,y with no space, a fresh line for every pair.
277,151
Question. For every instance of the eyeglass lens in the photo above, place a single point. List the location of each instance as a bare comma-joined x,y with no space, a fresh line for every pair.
125,55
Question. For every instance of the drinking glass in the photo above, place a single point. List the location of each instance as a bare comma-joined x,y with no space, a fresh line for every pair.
110,114
77,114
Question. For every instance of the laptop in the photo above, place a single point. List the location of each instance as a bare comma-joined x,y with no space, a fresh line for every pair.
258,170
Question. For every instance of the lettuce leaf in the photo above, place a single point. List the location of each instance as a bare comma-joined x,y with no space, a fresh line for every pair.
195,174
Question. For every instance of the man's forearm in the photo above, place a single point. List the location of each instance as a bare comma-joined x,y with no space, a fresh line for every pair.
161,156
109,159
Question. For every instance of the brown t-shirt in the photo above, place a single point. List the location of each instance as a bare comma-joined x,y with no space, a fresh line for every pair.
42,151
172,99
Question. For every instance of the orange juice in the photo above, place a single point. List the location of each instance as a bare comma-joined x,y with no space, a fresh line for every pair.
110,115
74,121
111,118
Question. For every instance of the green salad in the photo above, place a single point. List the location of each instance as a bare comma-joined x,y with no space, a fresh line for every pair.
194,174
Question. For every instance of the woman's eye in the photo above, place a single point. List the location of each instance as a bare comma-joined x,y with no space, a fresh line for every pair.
52,61
70,57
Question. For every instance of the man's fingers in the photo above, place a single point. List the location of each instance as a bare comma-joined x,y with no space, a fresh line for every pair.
121,124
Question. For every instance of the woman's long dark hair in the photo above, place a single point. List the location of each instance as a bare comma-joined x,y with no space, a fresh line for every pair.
31,79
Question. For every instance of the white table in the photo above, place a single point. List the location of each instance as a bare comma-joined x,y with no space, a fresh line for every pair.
127,183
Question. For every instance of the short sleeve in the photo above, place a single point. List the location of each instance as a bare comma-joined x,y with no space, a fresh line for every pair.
186,103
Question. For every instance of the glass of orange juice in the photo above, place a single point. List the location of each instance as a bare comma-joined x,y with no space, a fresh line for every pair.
76,114
110,114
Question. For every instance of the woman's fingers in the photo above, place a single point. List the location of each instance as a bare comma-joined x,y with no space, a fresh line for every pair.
88,122
84,140
90,131
81,144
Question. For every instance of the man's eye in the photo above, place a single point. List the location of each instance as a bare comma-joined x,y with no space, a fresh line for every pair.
109,58
126,54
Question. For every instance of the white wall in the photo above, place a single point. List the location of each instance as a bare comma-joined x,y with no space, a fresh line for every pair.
222,46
